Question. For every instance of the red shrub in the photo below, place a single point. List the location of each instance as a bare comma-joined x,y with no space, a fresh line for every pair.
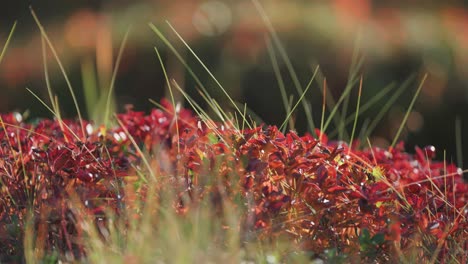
322,194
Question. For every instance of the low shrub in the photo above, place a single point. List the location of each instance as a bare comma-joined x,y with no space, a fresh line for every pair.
327,199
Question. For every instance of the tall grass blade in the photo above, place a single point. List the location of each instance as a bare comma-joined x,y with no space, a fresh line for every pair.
168,83
114,76
408,111
248,112
375,99
365,106
7,42
56,114
357,115
90,90
186,66
200,112
341,127
62,69
330,102
207,70
279,78
300,99
139,151
344,95
354,69
458,141
324,103
387,105
287,61
46,76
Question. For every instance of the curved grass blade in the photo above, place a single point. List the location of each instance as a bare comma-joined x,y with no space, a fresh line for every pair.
300,99
46,76
458,141
279,78
366,106
62,69
168,83
287,61
344,95
139,151
187,67
7,42
387,106
357,115
114,76
206,69
90,90
356,64
408,111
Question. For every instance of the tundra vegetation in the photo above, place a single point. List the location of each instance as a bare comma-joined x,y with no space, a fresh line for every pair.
188,185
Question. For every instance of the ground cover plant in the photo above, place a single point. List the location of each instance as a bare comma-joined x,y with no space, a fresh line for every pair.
176,186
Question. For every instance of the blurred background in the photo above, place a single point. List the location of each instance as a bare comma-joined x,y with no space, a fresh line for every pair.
385,42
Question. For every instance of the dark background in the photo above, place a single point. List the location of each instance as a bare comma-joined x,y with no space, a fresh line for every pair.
395,39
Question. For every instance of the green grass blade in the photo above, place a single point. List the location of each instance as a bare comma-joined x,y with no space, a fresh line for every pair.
185,64
7,42
345,93
366,106
222,116
324,103
179,56
341,127
62,69
279,77
207,70
287,61
200,112
408,111
57,115
353,71
114,76
42,102
46,76
243,121
139,151
371,102
329,100
300,99
168,83
458,141
248,112
90,90
387,105
363,129
357,115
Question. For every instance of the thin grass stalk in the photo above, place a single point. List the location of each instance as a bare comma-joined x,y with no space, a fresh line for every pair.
279,79
384,109
357,116
287,61
300,100
7,42
458,141
62,69
114,76
168,83
408,111
206,69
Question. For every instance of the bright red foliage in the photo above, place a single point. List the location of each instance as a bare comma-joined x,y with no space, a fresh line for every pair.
322,194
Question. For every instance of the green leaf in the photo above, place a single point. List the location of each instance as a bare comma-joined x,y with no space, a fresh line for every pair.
378,239
213,138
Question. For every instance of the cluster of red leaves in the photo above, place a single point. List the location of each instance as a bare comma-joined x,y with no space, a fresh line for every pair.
321,194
